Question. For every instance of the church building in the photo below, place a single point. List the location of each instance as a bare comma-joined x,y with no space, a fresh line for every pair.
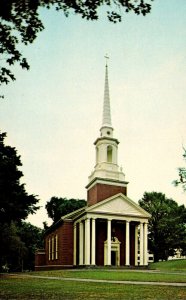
112,229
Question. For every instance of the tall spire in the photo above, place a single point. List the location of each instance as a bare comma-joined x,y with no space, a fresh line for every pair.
106,168
106,121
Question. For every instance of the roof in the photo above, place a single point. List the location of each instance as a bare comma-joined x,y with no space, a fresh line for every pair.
117,207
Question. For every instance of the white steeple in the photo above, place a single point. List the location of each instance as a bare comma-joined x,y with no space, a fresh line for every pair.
106,166
106,128
106,103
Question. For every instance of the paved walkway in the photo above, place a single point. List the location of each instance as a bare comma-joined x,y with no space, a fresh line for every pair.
178,284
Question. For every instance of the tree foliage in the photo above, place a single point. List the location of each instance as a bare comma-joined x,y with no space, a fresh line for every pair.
12,249
18,245
58,207
15,203
32,237
182,174
167,225
20,23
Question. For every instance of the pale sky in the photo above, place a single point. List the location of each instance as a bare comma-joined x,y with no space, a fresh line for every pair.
53,112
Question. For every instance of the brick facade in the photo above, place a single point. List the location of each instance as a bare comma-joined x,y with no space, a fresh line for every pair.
40,257
101,192
58,248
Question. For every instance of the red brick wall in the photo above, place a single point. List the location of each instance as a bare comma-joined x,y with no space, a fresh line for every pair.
65,245
101,192
101,236
40,258
132,244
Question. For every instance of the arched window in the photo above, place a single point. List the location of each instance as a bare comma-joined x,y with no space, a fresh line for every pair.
97,154
109,154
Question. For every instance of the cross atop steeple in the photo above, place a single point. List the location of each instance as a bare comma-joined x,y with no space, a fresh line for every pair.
106,57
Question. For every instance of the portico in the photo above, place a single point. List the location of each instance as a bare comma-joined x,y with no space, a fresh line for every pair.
108,238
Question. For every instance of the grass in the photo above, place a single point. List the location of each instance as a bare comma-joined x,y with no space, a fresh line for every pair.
30,288
171,265
177,267
123,275
25,287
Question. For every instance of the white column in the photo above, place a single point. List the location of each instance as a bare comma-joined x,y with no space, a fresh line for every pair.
81,247
145,245
136,245
75,245
141,244
87,241
127,261
93,250
108,242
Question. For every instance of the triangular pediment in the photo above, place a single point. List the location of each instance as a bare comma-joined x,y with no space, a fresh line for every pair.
118,204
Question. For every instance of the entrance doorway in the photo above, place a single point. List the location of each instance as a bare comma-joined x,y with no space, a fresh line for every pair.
115,252
113,258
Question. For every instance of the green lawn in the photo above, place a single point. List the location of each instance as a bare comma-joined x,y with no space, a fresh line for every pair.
177,268
20,286
171,265
116,275
29,288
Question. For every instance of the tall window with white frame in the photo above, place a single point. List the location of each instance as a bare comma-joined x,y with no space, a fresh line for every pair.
49,249
56,246
52,247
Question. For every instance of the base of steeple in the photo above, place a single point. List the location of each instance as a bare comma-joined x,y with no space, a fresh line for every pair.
100,189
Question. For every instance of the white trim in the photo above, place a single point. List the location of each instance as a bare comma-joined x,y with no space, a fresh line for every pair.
87,241
107,181
75,242
145,244
141,244
125,198
93,248
127,246
118,217
56,246
74,213
115,247
52,247
49,249
136,245
108,261
81,234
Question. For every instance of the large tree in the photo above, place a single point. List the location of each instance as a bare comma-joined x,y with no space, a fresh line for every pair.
58,207
19,242
12,249
15,203
182,174
32,237
20,23
167,225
